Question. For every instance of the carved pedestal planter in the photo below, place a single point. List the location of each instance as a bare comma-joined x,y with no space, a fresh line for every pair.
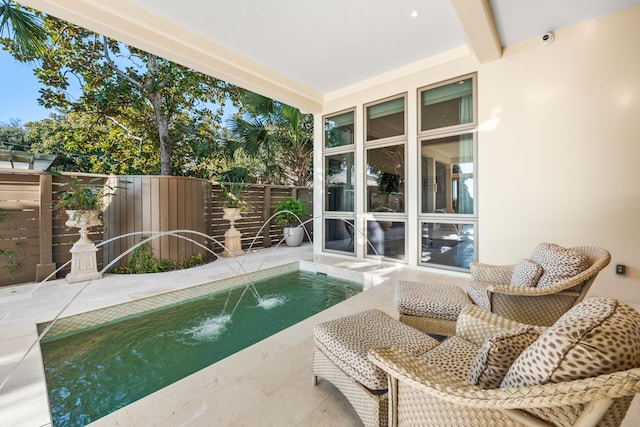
83,252
232,243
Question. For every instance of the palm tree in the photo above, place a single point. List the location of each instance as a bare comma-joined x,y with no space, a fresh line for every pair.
279,134
22,29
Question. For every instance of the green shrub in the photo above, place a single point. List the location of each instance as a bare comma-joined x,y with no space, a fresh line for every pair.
141,261
295,206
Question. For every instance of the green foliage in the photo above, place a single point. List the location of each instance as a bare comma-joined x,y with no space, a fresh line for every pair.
278,134
137,113
23,30
141,261
232,194
296,209
81,196
9,263
12,136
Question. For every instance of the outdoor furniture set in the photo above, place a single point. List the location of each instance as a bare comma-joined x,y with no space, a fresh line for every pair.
498,366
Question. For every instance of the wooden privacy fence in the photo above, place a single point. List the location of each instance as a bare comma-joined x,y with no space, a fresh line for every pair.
147,204
261,201
34,239
24,242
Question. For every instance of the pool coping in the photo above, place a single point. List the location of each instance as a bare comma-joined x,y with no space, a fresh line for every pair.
117,312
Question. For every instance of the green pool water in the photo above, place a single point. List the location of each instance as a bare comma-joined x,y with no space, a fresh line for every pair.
94,372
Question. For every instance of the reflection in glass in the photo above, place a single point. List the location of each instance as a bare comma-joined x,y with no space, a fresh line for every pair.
447,173
339,235
338,130
447,244
385,119
386,238
339,179
385,179
447,105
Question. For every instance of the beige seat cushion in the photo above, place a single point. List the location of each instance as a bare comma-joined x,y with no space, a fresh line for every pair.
558,263
347,340
597,336
455,355
437,301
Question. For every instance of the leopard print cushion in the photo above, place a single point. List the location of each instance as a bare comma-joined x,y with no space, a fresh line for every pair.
437,301
498,353
477,291
595,337
526,273
347,340
455,355
558,263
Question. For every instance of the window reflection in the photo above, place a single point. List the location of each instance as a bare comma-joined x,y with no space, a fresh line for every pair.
447,173
339,235
339,182
447,105
338,130
448,244
385,119
385,179
386,238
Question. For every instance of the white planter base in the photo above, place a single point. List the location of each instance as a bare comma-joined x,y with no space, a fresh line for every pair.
83,262
293,236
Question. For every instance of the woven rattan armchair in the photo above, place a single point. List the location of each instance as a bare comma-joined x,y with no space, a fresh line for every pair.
534,305
535,291
442,387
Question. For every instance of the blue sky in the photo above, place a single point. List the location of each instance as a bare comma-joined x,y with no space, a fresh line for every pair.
18,91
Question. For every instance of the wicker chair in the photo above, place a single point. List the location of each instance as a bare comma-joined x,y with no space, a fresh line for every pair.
480,377
541,301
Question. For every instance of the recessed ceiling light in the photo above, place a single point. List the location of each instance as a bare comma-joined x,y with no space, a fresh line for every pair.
414,14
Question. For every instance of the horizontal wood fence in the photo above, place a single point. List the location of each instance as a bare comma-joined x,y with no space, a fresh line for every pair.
34,239
261,201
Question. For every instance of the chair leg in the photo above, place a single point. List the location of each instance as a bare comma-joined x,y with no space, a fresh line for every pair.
373,409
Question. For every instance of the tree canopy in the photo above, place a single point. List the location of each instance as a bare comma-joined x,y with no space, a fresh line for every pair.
278,134
122,110
126,99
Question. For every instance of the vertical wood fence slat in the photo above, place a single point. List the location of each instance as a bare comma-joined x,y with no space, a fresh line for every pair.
173,217
46,266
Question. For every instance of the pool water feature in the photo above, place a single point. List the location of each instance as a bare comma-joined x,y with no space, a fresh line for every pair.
97,369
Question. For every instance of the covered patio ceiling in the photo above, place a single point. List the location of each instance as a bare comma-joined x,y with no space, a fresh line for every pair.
308,53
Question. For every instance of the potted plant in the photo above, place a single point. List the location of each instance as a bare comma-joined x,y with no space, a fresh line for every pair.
83,201
233,203
290,212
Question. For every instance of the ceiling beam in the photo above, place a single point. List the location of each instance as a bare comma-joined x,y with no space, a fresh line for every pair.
477,22
125,21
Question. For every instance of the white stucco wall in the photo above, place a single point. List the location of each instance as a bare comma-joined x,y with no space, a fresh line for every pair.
558,145
559,156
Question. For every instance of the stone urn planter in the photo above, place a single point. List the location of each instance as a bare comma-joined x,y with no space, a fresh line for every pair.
232,243
83,253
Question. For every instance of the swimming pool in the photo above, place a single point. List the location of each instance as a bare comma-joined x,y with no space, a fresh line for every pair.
98,362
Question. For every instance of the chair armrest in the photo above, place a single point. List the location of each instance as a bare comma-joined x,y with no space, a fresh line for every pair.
435,381
476,325
528,291
499,274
